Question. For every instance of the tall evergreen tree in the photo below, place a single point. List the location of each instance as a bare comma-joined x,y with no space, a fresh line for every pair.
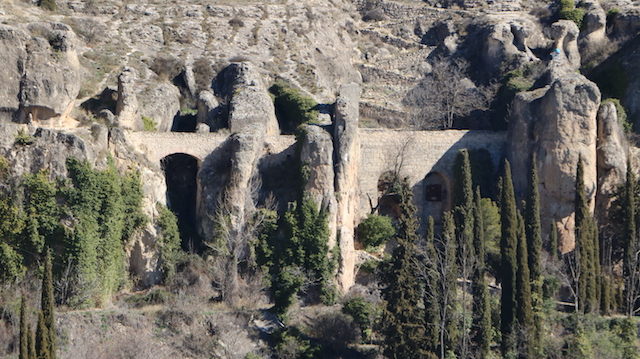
47,303
448,275
481,297
31,344
524,311
43,348
553,241
402,293
586,240
463,215
463,204
629,238
431,310
24,329
509,264
532,225
534,249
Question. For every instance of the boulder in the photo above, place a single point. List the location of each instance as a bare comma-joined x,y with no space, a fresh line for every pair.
161,102
506,42
317,153
565,35
347,155
558,124
208,110
144,256
41,72
594,23
249,101
127,108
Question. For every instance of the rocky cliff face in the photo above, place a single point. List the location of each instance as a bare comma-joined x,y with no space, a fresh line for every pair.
558,124
107,64
41,74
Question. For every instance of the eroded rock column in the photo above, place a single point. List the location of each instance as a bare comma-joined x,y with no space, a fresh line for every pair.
347,148
558,123
317,154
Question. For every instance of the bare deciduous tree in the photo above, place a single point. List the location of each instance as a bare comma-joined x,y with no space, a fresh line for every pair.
444,95
237,221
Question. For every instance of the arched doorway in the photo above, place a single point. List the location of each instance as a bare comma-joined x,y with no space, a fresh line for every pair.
388,199
181,172
436,196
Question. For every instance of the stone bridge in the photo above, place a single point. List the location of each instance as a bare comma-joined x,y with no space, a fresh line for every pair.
157,145
426,157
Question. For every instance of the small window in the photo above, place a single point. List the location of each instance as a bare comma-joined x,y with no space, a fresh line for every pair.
434,193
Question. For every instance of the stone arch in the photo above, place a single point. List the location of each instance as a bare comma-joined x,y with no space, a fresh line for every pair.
437,196
183,195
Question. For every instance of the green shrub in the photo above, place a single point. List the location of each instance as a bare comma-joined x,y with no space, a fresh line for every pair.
149,124
11,268
48,5
169,241
290,344
155,296
336,330
361,311
22,139
568,11
292,108
621,113
374,231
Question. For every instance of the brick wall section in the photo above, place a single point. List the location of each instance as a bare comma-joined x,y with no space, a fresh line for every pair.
426,152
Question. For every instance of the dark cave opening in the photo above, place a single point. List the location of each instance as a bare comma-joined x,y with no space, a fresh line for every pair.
181,171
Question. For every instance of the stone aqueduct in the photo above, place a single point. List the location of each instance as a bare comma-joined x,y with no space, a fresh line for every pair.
422,154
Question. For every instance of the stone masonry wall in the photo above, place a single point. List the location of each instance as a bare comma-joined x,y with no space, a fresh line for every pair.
424,152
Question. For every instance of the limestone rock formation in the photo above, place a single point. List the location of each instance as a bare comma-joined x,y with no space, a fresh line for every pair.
595,23
509,41
144,256
127,107
347,149
612,156
565,35
40,74
161,103
208,110
317,154
250,102
558,124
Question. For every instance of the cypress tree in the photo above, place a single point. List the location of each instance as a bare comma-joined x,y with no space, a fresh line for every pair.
509,264
462,186
448,269
24,329
47,303
43,348
532,225
431,311
605,300
463,204
553,241
463,215
534,248
524,311
403,316
628,209
585,232
481,297
31,344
